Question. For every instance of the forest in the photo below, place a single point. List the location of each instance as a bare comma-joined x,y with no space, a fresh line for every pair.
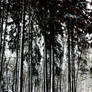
45,46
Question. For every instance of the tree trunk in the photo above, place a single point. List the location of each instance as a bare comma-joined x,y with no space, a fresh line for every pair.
21,48
1,31
45,67
52,28
73,61
17,58
69,63
52,69
30,56
2,48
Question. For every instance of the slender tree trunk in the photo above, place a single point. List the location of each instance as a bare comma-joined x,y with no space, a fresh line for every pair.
1,30
69,63
14,80
3,47
17,51
78,62
45,67
73,61
46,73
30,55
52,28
20,81
7,74
52,69
17,58
60,83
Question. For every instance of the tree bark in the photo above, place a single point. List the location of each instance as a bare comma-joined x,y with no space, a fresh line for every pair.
30,55
3,35
52,69
52,26
73,61
20,82
17,58
45,66
69,63
1,30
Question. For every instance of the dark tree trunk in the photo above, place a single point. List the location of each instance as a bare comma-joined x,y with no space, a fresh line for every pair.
69,63
73,61
30,55
17,57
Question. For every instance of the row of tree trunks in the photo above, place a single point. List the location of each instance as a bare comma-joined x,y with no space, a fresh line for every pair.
19,60
71,61
49,85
